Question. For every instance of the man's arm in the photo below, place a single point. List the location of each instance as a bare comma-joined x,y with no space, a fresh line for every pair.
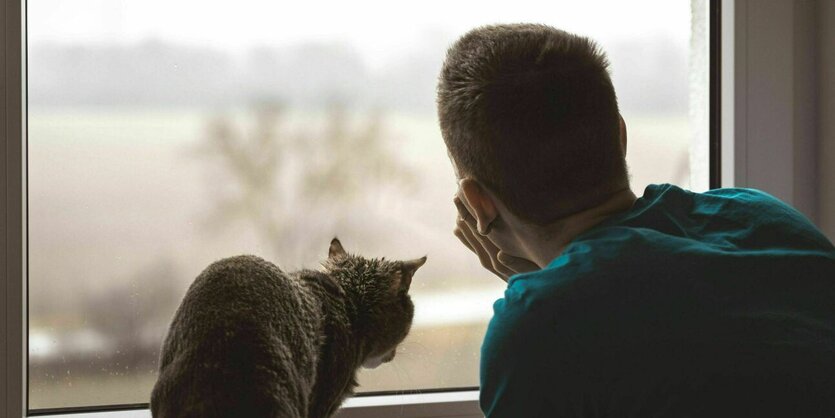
512,372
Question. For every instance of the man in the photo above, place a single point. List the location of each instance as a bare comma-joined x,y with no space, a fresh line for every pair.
672,304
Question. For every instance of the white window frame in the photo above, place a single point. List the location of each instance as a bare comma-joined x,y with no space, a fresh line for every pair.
765,144
769,109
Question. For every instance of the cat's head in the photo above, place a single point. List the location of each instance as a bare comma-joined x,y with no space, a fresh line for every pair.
379,290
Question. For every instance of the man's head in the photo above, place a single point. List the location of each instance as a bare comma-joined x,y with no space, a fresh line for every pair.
530,113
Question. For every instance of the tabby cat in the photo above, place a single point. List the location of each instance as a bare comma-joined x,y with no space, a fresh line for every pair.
249,340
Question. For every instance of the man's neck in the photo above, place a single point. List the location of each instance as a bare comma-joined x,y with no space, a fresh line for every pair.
545,243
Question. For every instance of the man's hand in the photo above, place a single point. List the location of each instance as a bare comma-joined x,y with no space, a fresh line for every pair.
492,258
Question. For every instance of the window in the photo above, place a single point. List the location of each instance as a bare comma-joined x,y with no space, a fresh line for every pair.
163,135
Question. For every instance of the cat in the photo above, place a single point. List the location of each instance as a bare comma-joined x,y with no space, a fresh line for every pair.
249,340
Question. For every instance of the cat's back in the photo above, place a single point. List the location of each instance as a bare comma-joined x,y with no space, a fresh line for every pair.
247,290
246,325
232,282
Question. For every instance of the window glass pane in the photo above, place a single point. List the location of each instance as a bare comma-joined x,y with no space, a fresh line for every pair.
166,134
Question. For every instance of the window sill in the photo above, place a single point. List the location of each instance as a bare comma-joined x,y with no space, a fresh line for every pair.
431,405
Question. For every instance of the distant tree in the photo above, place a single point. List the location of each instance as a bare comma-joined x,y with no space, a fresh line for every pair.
354,159
150,295
133,314
275,177
251,165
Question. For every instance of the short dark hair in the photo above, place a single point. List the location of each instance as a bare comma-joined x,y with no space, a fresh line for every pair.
530,111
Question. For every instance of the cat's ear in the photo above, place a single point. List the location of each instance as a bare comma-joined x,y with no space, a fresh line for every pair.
336,250
408,270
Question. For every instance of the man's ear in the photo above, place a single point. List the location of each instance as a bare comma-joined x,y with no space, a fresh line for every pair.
479,203
622,125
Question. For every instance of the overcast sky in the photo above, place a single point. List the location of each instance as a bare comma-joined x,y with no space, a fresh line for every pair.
378,29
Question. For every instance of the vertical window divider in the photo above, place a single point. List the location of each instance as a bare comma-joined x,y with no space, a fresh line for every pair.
13,324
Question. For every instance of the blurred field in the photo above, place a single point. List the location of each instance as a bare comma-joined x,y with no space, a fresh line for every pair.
417,363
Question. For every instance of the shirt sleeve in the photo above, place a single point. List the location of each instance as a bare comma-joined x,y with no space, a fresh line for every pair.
510,382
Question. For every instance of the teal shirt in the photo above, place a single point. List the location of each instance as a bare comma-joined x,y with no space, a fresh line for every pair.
688,304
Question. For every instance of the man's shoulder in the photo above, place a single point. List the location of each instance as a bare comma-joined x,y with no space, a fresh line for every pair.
668,218
760,221
753,204
665,195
